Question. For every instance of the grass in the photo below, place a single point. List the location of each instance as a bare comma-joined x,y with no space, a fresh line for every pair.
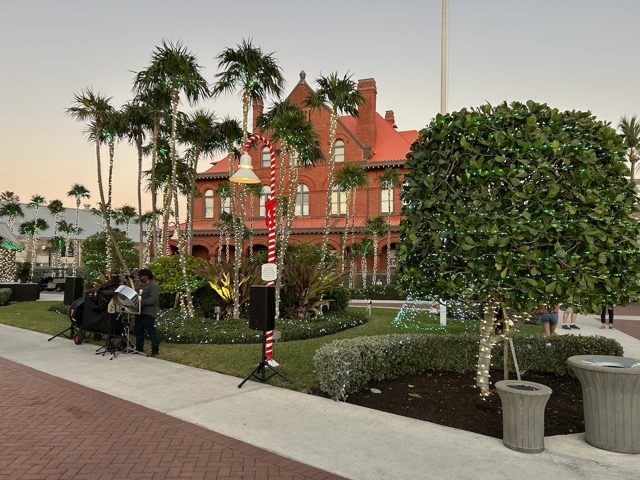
295,358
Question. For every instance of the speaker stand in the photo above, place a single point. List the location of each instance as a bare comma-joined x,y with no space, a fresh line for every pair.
260,372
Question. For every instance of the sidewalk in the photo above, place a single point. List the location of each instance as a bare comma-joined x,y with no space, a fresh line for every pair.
258,420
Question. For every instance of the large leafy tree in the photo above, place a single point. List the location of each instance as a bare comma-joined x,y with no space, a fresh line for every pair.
339,95
630,129
522,206
94,252
78,192
173,66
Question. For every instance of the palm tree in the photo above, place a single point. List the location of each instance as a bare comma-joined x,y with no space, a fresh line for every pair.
339,95
55,208
35,203
33,228
198,131
156,100
349,178
256,75
96,110
289,125
389,180
147,219
136,119
124,216
174,66
78,192
8,196
67,229
631,136
375,227
11,210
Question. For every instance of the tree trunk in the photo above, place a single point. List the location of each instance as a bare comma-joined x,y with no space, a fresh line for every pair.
484,352
141,236
332,163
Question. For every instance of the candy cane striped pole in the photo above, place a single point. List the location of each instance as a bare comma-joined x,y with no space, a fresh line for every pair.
270,221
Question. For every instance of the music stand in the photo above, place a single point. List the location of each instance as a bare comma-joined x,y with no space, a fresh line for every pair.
128,303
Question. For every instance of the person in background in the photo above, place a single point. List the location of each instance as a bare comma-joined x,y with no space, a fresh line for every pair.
565,317
602,317
146,322
549,319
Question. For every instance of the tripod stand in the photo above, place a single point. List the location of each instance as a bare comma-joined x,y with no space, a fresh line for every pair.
260,372
127,344
63,333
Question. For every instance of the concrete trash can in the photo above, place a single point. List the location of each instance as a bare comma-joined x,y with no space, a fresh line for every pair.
611,400
523,406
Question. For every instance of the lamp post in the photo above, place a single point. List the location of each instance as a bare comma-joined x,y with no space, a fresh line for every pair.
245,175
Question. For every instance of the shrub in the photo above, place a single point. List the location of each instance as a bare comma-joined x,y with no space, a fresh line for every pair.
339,299
5,295
168,276
174,327
379,292
345,366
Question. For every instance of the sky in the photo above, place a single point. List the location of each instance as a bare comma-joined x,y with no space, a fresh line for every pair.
570,54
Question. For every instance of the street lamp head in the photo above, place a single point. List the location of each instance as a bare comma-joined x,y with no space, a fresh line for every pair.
245,174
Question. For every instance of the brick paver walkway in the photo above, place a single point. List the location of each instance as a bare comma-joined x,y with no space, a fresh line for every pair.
53,429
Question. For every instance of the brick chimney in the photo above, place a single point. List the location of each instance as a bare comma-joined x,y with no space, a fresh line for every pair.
391,118
366,126
258,108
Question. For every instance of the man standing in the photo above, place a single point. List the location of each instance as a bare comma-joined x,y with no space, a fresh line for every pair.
149,294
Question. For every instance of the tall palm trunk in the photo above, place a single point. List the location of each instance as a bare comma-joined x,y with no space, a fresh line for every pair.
174,186
374,277
141,235
34,242
235,226
332,164
156,251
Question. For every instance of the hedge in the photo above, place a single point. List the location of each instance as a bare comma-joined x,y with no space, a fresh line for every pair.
346,366
5,295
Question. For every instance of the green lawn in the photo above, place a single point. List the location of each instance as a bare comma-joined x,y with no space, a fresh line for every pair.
295,358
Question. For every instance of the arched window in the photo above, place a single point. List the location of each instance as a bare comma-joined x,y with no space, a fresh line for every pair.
265,161
338,201
208,204
264,193
386,199
302,201
338,151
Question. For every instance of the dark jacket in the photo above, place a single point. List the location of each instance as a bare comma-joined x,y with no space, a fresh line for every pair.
150,296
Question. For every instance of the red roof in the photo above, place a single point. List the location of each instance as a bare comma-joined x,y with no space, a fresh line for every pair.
219,169
390,144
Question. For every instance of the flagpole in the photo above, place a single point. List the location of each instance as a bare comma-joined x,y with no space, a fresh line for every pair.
443,61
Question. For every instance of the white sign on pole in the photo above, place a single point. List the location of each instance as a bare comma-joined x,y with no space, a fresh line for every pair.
269,272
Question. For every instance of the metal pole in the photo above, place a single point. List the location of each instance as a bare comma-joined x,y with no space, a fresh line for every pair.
271,222
443,61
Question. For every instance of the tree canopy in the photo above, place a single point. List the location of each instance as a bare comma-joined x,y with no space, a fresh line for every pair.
523,205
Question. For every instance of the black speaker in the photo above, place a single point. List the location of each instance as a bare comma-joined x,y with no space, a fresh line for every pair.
73,289
262,307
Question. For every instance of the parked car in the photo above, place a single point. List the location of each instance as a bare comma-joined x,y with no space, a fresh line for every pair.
50,284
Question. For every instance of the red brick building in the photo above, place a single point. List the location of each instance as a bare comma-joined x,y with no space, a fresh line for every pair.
370,139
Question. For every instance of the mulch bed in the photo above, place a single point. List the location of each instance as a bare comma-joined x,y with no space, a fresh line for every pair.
452,399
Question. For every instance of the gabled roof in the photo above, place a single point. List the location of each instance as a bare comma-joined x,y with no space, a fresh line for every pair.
218,170
391,145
